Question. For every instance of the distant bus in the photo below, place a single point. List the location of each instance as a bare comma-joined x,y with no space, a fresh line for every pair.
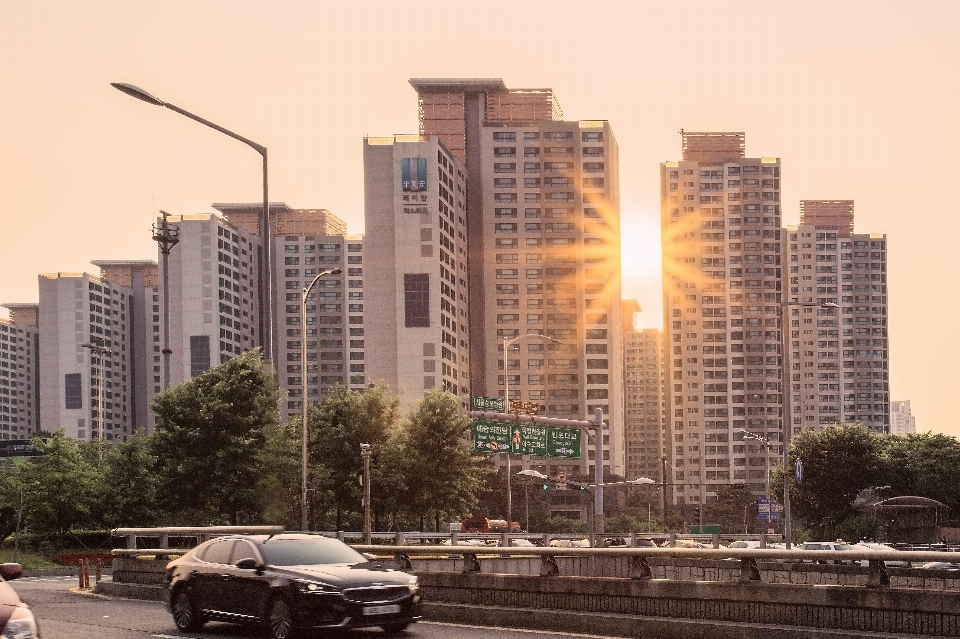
484,525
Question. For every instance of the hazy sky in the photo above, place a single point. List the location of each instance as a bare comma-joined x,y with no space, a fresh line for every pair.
858,98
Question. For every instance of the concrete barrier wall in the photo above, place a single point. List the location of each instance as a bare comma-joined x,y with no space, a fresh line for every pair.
623,603
684,599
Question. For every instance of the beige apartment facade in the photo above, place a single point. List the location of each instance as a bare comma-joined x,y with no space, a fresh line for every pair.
86,335
417,309
544,252
19,360
723,284
838,357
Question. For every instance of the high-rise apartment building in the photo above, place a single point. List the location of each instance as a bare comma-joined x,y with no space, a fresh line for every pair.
644,420
19,359
723,283
417,312
214,295
902,420
839,361
143,316
86,335
542,217
306,243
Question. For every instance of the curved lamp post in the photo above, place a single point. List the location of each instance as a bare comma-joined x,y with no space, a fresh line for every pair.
303,389
266,267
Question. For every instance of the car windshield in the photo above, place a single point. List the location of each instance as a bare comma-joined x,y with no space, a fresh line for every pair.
306,552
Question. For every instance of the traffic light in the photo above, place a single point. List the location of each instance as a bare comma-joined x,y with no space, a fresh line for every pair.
544,486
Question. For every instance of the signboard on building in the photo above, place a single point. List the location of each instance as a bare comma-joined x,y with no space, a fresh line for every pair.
413,174
18,448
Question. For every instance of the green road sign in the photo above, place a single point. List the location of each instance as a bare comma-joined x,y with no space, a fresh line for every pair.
526,439
488,403
491,437
564,442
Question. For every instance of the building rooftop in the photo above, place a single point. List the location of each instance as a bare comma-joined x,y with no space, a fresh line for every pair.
443,85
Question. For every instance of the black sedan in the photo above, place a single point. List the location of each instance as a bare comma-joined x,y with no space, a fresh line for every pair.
16,619
288,582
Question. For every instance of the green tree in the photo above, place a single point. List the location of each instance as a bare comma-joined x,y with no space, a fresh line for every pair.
729,507
58,492
337,427
924,465
441,468
126,488
280,482
838,462
209,439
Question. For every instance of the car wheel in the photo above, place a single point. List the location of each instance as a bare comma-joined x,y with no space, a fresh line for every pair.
280,619
185,615
395,628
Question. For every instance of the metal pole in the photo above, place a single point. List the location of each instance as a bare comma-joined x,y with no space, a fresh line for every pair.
303,389
663,491
266,268
167,236
365,452
787,424
598,471
506,409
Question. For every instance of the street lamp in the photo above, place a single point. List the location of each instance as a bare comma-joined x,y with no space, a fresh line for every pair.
303,389
766,456
785,394
266,267
506,409
98,348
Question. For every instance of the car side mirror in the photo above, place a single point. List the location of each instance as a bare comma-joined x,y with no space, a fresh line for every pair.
11,571
247,564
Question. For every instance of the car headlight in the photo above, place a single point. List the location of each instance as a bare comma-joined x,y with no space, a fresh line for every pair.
305,585
414,587
21,625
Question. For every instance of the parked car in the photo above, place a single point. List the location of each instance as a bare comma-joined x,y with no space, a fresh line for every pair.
840,546
645,542
288,582
16,618
569,543
940,565
861,545
522,543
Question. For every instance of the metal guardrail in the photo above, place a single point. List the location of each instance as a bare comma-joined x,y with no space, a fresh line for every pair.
200,533
640,568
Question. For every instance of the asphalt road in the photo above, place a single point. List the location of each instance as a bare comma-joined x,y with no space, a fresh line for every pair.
64,613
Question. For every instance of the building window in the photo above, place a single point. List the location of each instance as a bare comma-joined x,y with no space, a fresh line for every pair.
416,296
199,354
72,391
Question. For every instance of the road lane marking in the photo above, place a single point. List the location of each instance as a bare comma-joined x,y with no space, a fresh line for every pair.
517,630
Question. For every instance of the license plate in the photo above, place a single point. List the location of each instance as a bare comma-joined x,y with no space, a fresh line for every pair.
382,610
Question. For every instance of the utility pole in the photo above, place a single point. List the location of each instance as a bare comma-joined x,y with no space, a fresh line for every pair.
166,236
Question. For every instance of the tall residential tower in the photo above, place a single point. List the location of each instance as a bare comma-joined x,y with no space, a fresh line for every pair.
543,222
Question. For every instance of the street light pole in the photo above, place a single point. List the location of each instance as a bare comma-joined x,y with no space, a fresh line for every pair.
266,235
506,409
766,457
303,390
166,236
98,348
365,451
786,393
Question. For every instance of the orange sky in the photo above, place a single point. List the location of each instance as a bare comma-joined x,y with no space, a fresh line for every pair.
858,98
